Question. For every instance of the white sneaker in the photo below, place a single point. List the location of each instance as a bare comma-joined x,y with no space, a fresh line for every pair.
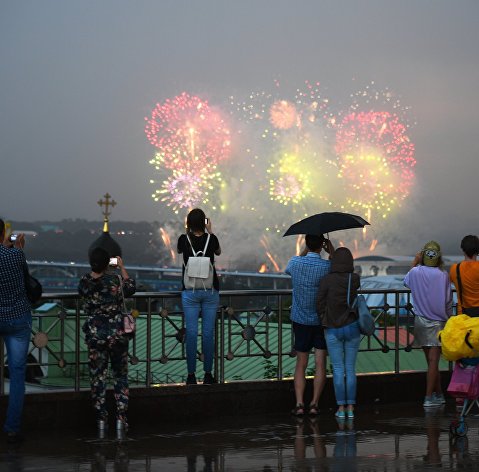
439,398
430,402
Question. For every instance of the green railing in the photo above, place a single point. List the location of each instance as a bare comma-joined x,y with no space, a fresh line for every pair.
253,340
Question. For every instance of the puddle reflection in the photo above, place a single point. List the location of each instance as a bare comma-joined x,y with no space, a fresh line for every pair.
374,441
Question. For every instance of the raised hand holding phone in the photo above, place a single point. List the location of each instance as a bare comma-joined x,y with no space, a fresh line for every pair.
328,246
208,225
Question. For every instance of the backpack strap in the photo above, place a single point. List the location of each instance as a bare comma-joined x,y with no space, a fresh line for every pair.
204,249
349,293
191,245
206,245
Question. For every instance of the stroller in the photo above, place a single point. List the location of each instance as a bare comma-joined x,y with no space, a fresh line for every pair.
464,385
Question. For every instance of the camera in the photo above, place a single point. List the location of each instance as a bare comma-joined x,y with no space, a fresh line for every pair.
13,237
113,261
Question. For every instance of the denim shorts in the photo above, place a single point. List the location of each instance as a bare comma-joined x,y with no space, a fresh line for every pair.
308,336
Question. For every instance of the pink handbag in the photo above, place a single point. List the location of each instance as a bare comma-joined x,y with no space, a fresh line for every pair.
464,381
129,324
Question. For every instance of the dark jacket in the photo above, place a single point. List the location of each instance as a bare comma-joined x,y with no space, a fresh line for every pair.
333,309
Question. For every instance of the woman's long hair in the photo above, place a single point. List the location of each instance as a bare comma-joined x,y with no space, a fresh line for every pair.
342,260
195,221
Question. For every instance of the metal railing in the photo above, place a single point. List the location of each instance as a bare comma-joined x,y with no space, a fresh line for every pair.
253,339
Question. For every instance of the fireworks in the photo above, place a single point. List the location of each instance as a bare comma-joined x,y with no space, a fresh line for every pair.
295,154
263,109
286,142
290,182
283,114
373,98
192,138
187,189
167,242
376,159
187,130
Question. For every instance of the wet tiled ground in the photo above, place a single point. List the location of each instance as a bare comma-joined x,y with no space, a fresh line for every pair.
396,438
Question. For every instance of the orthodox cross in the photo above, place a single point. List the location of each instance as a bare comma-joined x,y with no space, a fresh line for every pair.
107,203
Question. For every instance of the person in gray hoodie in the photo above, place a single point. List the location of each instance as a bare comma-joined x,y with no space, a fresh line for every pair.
340,322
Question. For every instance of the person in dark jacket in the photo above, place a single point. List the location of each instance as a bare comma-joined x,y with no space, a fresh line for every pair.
341,325
15,326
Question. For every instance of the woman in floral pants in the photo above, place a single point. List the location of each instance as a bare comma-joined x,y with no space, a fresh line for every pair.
103,291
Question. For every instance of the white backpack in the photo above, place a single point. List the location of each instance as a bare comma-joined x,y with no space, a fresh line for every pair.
198,269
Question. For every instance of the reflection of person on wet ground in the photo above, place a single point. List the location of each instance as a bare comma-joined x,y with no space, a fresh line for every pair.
100,461
11,460
344,452
459,449
433,432
319,448
208,458
345,445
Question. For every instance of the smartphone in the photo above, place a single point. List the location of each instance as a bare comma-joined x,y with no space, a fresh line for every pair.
13,237
114,261
206,221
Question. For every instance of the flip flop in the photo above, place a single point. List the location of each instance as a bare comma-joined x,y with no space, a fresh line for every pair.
298,410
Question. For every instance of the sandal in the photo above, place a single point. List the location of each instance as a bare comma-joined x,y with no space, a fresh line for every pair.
298,410
313,409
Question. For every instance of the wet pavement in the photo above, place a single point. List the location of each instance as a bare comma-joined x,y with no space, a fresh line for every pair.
398,438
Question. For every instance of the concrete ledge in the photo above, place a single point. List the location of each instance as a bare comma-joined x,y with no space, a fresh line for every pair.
72,410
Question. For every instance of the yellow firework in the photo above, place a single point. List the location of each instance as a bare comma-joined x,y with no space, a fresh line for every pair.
289,181
371,182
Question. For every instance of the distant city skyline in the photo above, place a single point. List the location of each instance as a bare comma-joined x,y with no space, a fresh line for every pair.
78,78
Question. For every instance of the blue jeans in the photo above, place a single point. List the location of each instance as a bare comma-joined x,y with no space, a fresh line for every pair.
343,345
194,302
16,335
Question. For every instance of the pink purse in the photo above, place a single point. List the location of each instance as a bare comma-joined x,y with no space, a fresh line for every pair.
129,323
464,381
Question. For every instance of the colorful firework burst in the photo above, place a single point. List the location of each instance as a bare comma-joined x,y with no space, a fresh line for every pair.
187,129
283,114
376,158
307,106
192,138
373,98
285,139
187,189
290,180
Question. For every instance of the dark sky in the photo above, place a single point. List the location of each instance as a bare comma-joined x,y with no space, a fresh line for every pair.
78,78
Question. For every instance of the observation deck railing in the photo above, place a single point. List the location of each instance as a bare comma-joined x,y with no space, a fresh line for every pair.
253,339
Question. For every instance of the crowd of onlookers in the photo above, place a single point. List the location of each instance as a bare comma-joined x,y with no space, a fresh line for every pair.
323,314
325,318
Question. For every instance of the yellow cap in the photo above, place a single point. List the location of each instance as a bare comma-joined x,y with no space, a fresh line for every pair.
431,254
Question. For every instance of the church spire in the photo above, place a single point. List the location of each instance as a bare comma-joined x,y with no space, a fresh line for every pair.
107,203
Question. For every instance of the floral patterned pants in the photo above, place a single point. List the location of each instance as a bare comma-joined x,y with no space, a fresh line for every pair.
117,354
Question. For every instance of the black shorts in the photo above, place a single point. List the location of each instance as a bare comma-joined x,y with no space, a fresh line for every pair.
308,336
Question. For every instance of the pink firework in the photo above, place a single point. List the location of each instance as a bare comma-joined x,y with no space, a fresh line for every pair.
380,134
182,190
188,132
283,114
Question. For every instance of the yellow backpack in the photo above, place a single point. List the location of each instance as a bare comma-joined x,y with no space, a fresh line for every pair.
460,338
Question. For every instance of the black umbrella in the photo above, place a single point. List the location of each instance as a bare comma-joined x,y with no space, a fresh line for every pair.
326,223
